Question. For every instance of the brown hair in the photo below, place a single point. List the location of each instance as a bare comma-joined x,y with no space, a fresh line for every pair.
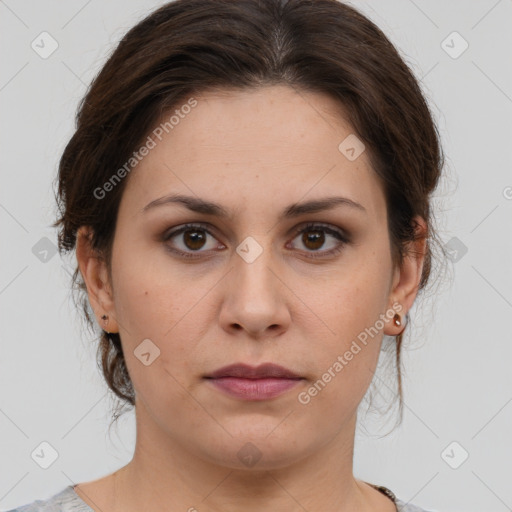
190,46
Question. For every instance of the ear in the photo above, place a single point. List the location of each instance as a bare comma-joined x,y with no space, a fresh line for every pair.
406,278
95,275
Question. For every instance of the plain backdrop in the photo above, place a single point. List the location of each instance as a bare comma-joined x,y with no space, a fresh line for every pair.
453,450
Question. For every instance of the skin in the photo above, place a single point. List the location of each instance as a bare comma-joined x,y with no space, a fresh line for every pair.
285,307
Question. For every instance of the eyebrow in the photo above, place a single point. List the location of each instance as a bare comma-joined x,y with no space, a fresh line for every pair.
198,205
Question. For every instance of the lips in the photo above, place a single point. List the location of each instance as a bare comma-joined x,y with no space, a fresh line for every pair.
254,383
263,371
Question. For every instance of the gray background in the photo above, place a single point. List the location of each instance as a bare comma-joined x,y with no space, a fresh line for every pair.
457,367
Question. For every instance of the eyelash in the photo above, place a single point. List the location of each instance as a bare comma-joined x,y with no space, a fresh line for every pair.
343,239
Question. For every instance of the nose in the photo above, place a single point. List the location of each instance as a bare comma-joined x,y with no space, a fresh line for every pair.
255,297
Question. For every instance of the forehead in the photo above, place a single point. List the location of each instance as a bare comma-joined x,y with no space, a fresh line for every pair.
255,144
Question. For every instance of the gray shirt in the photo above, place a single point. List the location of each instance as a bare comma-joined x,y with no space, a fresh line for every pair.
68,500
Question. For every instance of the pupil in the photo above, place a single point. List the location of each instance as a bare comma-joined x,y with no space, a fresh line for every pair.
194,239
317,238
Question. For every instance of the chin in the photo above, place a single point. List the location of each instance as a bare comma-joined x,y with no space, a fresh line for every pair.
257,447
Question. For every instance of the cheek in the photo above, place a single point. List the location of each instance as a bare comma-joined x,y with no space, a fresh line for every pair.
355,301
149,292
354,308
153,302
344,366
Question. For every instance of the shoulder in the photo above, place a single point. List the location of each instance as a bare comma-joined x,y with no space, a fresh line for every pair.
402,506
64,501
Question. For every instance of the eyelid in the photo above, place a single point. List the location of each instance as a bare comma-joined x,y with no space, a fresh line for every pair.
329,228
210,228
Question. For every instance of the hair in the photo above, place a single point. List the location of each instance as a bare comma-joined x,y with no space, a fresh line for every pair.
188,47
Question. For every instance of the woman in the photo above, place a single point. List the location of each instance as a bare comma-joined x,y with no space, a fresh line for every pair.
248,194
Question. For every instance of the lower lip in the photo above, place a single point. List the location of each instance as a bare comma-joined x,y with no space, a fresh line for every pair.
254,389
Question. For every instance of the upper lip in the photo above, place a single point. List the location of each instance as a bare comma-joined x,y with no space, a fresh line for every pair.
244,371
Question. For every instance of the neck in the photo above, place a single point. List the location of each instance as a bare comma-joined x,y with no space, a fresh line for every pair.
166,475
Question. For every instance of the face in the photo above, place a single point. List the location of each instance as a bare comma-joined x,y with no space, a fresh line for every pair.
267,282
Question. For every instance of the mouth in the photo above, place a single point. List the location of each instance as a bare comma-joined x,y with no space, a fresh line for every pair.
245,371
254,383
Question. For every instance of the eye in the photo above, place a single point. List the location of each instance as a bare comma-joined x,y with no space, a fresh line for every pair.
314,237
194,238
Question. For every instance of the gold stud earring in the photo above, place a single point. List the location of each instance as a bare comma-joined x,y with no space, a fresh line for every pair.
397,320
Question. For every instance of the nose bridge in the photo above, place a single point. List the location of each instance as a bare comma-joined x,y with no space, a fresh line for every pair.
253,263
254,302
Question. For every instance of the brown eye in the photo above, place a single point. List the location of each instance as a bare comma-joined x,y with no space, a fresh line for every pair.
315,236
313,239
194,239
190,239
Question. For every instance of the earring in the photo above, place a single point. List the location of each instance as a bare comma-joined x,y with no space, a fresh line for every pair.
397,320
105,319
